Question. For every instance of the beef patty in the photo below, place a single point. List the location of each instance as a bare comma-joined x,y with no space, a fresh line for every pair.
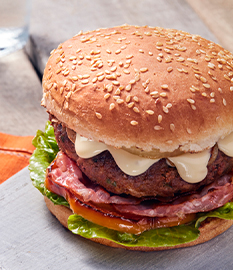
159,180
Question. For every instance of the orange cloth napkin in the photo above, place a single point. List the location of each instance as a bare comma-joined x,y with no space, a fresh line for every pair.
15,152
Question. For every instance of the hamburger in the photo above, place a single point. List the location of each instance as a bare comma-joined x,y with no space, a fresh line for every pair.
138,150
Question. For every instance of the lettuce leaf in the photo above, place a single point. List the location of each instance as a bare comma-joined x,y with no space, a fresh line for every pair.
45,153
224,212
46,150
161,237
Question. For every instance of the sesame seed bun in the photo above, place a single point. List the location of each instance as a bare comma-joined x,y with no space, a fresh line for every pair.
152,89
209,229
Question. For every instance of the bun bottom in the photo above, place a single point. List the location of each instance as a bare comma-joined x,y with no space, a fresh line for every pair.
209,229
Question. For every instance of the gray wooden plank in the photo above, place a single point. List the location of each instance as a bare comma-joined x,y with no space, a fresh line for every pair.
31,238
20,95
218,16
52,22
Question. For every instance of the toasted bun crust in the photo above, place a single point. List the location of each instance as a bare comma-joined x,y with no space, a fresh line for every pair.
209,229
142,87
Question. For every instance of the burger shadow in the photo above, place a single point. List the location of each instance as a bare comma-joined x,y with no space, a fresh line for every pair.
210,255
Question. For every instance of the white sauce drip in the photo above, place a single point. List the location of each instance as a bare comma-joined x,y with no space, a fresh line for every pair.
127,162
191,167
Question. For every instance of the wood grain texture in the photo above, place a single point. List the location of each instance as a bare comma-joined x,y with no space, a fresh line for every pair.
20,95
52,22
218,16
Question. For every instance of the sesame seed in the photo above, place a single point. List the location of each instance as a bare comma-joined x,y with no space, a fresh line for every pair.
172,127
164,86
73,86
204,94
106,96
150,53
212,94
231,88
224,102
163,94
117,51
118,91
211,65
101,78
169,69
115,83
191,101
143,70
119,101
58,71
168,60
131,104
189,130
203,79
169,105
206,85
85,81
154,94
157,128
113,68
180,59
193,107
226,77
159,43
136,109
132,82
150,112
192,60
129,56
165,109
128,98
141,51
159,59
212,100
108,51
66,72
85,76
134,123
147,90
94,80
109,88
98,115
111,106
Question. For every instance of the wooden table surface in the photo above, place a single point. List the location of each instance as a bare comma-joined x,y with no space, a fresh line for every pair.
52,22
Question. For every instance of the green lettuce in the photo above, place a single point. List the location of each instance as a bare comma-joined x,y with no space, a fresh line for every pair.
45,153
46,150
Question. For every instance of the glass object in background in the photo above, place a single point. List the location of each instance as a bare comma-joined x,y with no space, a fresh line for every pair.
14,22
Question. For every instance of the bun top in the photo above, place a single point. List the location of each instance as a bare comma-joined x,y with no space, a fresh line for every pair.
147,88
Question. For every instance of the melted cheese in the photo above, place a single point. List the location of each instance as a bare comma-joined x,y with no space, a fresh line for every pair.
191,167
128,163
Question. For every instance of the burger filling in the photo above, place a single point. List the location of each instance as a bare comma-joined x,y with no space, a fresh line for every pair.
160,180
130,210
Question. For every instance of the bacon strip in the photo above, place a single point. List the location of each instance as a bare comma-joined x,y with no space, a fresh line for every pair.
65,177
64,173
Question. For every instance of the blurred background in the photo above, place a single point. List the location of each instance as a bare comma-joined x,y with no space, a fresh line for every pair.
50,22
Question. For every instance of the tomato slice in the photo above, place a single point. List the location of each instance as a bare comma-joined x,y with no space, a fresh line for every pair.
105,214
122,224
